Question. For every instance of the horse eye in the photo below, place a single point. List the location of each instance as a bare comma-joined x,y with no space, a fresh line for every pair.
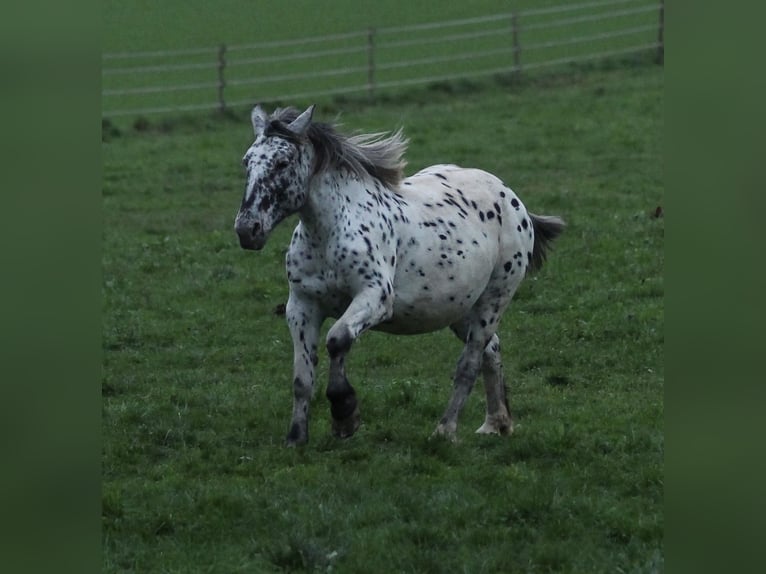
281,164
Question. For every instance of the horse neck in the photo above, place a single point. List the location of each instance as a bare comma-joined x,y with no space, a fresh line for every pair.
329,197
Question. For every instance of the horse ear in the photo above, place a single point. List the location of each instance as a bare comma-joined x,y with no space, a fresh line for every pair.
259,119
300,125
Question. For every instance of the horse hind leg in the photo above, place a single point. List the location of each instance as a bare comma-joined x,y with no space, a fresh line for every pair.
468,367
465,376
481,354
498,419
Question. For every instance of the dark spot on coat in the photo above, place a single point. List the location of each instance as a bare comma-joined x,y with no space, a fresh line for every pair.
265,203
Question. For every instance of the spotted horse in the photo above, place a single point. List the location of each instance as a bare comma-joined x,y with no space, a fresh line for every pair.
445,247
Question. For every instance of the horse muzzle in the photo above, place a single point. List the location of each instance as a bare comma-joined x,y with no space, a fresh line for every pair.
251,235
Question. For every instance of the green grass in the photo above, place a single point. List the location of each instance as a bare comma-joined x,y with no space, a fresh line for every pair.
176,24
338,64
197,364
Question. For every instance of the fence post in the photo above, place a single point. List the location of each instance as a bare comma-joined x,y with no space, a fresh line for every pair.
516,43
221,79
371,62
661,35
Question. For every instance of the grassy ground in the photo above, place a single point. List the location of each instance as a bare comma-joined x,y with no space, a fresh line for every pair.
197,364
177,24
341,64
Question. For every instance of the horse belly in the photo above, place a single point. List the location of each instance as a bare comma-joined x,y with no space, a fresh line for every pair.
423,317
429,300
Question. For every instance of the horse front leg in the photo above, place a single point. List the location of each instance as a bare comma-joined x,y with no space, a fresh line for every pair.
366,310
344,407
304,320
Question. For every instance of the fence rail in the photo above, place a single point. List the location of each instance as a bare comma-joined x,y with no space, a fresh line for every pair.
229,76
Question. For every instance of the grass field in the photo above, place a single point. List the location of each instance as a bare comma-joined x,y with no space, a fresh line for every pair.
197,364
176,24
161,56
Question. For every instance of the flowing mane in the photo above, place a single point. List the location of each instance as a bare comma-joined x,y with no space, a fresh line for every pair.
379,155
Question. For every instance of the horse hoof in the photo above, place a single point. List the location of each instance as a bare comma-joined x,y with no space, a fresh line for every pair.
445,432
294,443
499,427
297,436
345,428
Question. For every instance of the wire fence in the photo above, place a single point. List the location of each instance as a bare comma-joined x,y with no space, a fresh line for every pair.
377,59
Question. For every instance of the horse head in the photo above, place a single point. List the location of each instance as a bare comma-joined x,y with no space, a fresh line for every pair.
278,165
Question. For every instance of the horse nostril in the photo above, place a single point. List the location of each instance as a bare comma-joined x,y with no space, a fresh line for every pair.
256,228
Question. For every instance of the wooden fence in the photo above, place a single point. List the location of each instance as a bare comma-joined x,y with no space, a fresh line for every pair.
377,59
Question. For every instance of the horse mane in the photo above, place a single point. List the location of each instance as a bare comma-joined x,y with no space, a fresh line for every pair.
379,154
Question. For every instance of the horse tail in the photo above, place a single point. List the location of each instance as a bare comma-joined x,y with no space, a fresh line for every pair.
547,228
